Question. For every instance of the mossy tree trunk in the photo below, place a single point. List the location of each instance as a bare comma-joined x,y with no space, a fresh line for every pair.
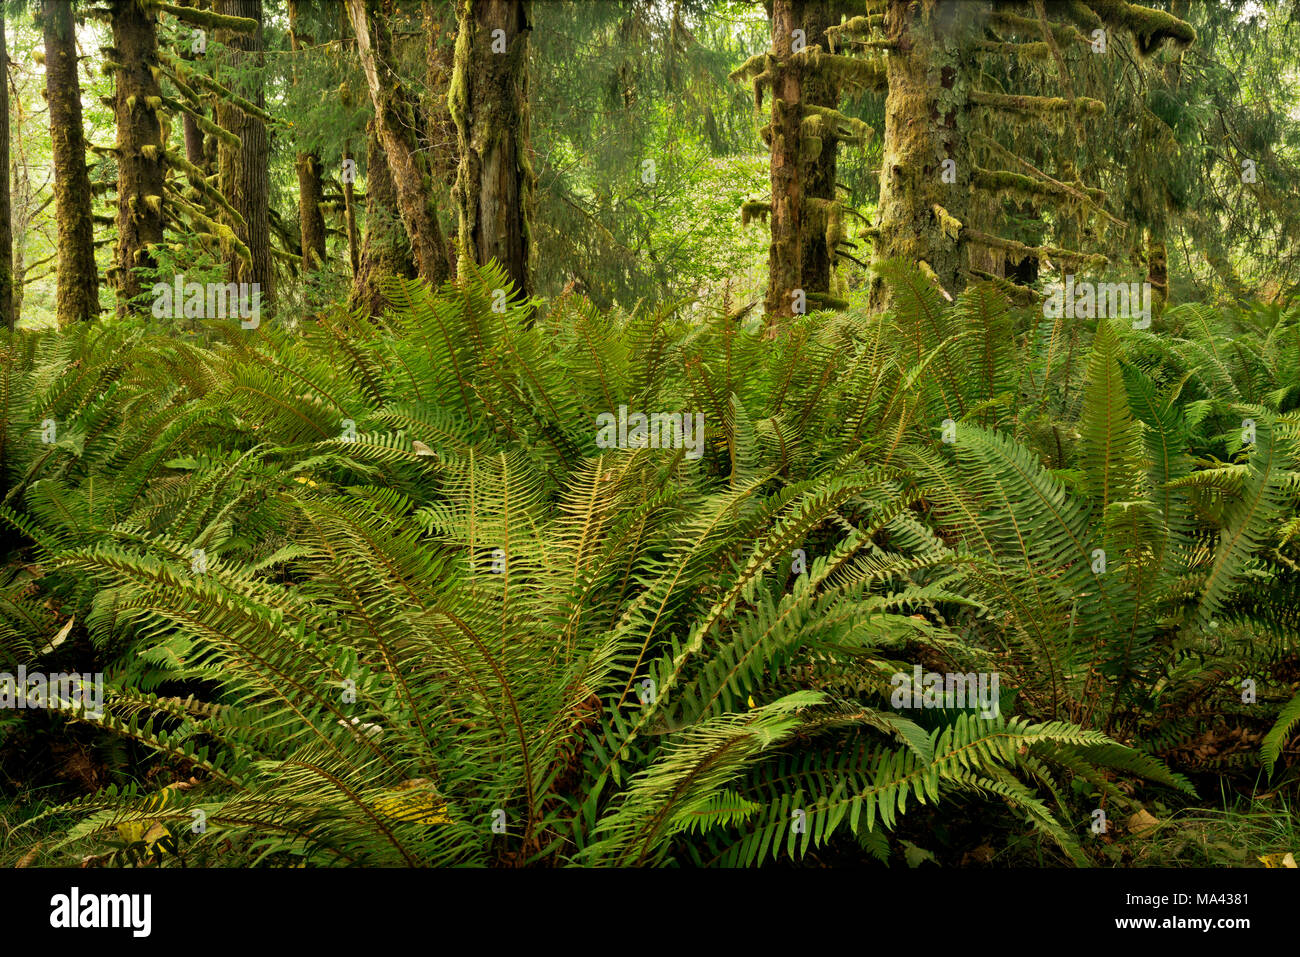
441,138
311,220
489,104
350,211
243,169
925,173
24,207
307,164
8,315
819,168
1158,268
386,249
78,277
805,70
140,162
786,248
396,116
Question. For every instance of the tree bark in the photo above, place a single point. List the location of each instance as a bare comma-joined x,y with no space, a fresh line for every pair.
311,221
926,122
489,104
396,116
817,174
350,212
192,133
7,313
140,166
78,276
1157,267
243,170
441,138
386,250
785,249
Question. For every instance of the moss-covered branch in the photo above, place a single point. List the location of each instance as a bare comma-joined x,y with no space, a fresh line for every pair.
1149,26
1000,182
201,185
1062,32
1080,193
1037,50
1019,249
203,123
846,71
1035,104
206,18
1021,295
218,232
753,209
179,76
825,122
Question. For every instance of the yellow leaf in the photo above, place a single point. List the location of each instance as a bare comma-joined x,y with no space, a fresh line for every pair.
416,801
146,832
1279,860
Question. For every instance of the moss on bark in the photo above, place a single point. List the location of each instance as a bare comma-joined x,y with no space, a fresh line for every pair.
141,162
243,170
489,103
396,124
78,276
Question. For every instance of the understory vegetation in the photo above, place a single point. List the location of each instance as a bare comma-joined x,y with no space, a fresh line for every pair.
648,433
369,593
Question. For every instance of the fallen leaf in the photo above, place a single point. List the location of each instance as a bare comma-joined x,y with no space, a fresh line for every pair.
26,859
61,637
1141,822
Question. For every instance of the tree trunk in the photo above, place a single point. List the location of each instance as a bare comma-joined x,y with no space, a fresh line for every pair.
242,170
1157,267
311,221
78,277
926,169
192,132
386,251
396,116
817,173
350,211
489,104
7,314
785,250
441,139
140,167
24,205
194,151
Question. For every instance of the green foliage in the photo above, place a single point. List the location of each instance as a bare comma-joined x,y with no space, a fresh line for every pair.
429,603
